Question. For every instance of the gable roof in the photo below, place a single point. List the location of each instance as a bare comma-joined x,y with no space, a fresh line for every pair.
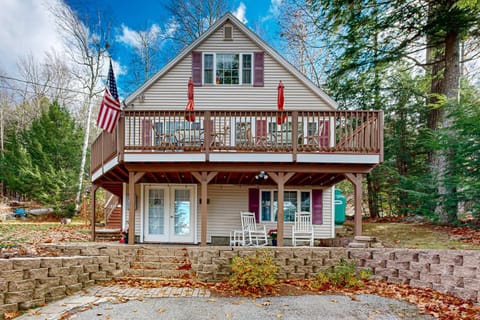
250,34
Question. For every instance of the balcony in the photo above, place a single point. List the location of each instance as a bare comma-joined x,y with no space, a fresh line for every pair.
233,136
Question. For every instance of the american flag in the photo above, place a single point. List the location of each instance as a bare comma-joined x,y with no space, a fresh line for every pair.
110,108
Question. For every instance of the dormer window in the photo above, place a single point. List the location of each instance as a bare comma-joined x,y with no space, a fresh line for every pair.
227,68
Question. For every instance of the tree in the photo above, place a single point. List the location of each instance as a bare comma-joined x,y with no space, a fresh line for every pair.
369,34
87,49
192,18
43,160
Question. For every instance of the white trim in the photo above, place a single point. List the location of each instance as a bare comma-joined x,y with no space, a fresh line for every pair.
332,210
250,157
105,168
339,158
164,157
250,34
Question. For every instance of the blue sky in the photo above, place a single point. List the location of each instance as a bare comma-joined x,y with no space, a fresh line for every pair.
28,27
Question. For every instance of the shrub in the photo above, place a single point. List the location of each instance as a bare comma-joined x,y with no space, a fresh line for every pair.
255,274
342,275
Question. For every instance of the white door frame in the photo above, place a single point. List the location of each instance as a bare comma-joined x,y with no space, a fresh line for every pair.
169,217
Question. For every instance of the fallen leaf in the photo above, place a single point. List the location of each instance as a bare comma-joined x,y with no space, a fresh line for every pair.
266,303
279,315
228,315
161,310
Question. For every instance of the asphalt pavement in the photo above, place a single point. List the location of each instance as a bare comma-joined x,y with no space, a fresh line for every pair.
122,303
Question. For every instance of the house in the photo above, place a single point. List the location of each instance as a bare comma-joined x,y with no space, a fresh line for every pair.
184,176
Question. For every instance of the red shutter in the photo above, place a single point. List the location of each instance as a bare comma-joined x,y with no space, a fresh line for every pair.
254,202
324,133
197,68
258,58
317,206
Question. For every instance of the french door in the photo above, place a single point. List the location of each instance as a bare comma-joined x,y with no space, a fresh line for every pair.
169,213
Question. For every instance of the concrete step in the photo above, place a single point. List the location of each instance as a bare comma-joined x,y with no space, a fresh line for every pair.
108,235
358,245
365,239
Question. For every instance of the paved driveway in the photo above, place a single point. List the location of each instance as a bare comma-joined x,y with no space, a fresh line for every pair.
118,303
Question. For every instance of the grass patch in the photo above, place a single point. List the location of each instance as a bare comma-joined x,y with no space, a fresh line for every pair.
415,236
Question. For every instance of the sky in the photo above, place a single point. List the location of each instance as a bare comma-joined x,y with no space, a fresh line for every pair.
28,27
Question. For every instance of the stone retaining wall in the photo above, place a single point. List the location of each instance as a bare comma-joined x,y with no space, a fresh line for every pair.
29,281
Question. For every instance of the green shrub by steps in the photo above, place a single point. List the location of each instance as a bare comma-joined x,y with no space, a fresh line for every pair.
342,275
255,274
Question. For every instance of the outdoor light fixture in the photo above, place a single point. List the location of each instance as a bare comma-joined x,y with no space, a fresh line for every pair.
261,175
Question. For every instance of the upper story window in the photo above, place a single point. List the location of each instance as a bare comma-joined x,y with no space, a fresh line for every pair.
227,68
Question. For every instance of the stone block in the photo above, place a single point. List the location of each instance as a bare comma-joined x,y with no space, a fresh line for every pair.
316,262
31,304
153,273
284,253
9,307
205,276
430,277
295,261
287,269
420,283
51,262
41,273
88,283
26,263
12,275
398,280
110,251
466,272
387,273
76,269
115,273
56,291
82,277
376,264
90,251
451,258
74,287
100,275
58,271
40,293
401,265
90,268
429,257
72,252
304,269
227,254
322,253
6,264
409,274
466,294
302,253
407,255
220,261
101,259
3,287
117,259
452,281
471,260
69,280
357,254
18,296
47,283
420,266
107,266
211,268
338,253
134,272
52,298
21,285
472,284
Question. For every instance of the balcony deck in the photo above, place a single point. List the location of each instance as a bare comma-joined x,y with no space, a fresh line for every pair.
238,141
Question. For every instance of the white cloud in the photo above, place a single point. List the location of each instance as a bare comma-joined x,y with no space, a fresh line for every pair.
129,37
28,27
240,13
275,7
134,38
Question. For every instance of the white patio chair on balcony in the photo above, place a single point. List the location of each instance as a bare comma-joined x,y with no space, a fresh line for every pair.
254,235
302,229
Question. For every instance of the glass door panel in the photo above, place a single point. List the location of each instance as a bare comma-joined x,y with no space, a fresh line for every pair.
181,220
157,217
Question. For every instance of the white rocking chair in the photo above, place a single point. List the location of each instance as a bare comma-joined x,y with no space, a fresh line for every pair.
254,235
302,230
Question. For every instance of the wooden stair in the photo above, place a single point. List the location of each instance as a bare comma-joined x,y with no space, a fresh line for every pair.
115,219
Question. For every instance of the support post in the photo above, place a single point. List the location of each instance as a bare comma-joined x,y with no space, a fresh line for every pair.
356,180
133,178
93,211
280,178
204,178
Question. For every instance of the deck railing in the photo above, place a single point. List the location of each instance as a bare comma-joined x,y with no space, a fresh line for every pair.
352,132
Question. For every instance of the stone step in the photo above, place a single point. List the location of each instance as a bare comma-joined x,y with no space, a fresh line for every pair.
158,273
357,245
365,239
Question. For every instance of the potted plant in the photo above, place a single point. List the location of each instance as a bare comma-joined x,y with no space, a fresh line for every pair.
273,236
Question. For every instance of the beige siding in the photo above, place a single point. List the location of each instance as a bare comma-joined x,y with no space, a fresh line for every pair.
226,202
170,91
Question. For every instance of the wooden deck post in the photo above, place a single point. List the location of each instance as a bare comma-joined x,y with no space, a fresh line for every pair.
93,211
133,178
280,178
356,180
204,178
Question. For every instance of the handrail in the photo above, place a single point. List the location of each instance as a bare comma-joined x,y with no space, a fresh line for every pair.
110,206
255,131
